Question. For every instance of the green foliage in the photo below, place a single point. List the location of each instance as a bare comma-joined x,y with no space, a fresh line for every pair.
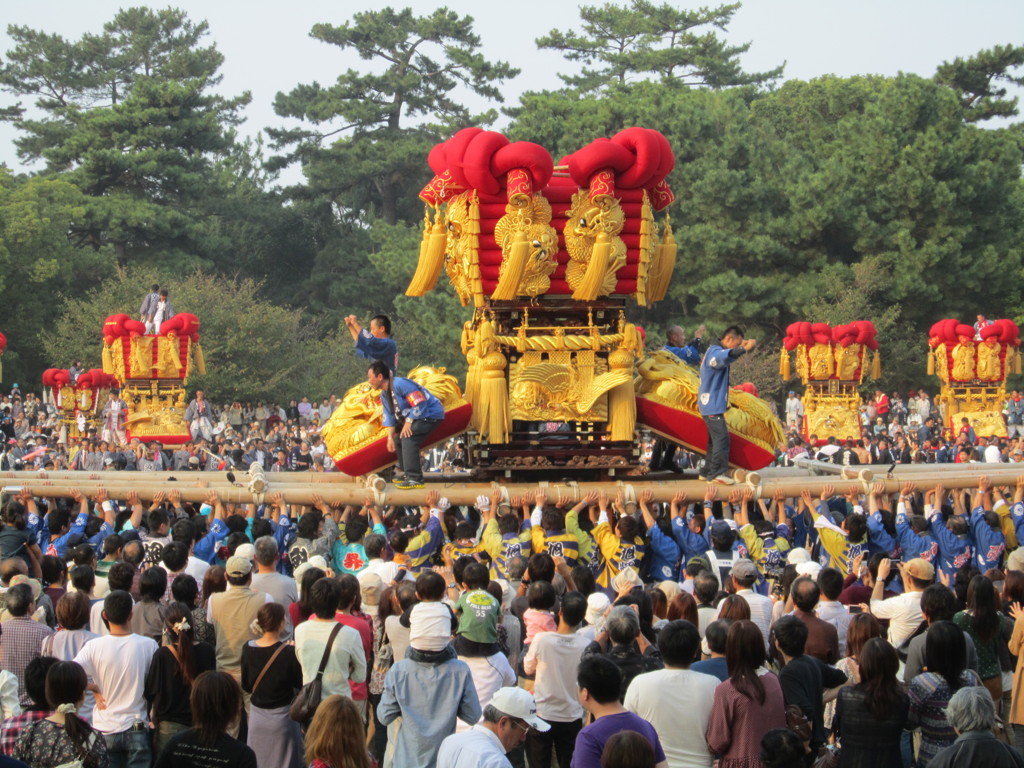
253,349
977,79
428,328
834,199
129,117
619,43
376,166
37,264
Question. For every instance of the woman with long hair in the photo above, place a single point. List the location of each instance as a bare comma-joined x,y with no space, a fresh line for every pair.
683,606
216,702
748,704
336,737
870,715
214,580
174,668
273,675
659,604
983,622
63,737
734,607
301,609
862,627
945,658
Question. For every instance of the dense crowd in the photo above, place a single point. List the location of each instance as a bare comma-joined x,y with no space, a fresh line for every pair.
856,628
524,631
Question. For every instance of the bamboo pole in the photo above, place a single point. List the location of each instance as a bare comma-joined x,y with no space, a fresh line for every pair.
298,492
281,478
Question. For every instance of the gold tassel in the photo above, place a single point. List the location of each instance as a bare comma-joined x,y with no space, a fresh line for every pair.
876,366
931,363
108,360
644,268
590,287
472,232
513,268
622,412
666,251
1016,362
200,360
784,370
494,417
622,399
432,248
472,393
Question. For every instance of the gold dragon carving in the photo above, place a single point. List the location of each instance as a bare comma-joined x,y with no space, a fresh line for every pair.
565,387
154,410
458,251
596,252
358,420
665,380
529,218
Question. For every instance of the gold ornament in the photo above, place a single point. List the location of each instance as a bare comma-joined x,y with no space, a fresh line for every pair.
596,251
528,244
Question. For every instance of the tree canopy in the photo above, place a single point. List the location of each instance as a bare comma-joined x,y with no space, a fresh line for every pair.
897,199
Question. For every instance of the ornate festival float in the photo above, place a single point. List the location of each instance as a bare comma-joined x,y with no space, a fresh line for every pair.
548,257
152,370
832,363
972,372
79,404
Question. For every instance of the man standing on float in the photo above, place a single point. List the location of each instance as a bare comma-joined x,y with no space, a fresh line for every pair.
410,414
713,400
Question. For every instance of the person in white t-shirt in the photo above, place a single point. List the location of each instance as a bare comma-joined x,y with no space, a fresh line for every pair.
119,577
374,544
553,658
675,700
117,664
903,611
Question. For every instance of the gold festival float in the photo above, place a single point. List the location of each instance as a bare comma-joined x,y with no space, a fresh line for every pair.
832,363
972,372
152,370
79,404
548,258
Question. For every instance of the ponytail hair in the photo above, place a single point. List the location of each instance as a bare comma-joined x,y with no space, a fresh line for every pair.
178,628
65,687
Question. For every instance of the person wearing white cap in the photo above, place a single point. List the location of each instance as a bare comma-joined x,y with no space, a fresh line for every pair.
505,723
232,613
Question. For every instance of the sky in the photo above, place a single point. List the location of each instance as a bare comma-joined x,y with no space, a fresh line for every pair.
267,47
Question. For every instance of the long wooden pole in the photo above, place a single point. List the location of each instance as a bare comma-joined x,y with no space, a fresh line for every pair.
297,492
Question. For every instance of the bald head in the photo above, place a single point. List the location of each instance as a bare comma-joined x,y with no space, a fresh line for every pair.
676,336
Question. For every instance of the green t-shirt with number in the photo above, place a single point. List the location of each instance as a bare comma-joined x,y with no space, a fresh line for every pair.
478,616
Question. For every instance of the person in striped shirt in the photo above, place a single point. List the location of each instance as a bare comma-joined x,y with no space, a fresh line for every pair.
621,547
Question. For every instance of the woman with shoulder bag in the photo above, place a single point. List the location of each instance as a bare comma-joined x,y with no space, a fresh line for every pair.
272,674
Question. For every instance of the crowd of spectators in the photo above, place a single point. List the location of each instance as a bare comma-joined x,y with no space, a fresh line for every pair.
522,631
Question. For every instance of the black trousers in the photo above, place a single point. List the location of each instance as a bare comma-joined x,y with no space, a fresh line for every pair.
717,460
408,448
562,737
